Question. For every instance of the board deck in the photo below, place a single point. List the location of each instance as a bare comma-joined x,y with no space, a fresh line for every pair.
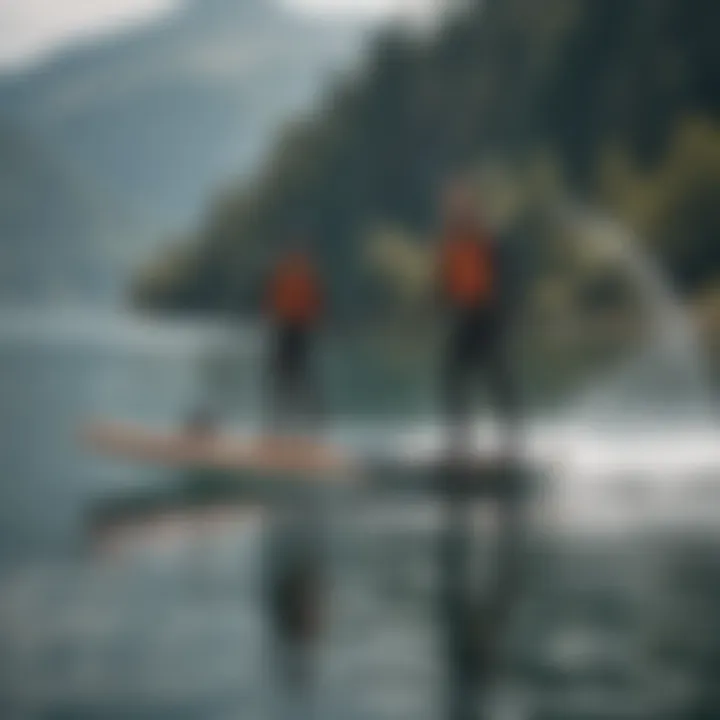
306,458
200,450
194,503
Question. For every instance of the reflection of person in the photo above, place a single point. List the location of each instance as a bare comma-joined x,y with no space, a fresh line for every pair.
294,306
294,600
296,603
471,277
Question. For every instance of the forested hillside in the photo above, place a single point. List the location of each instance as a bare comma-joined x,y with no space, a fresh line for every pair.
616,101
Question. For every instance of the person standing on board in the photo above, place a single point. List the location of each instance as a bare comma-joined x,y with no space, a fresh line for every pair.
294,307
472,285
473,294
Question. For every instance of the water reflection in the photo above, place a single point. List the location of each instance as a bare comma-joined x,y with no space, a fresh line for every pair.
618,618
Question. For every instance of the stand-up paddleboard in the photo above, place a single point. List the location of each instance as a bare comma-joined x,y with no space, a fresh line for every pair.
218,472
189,449
389,467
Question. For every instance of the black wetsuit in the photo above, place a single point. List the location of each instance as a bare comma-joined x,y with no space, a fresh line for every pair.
476,347
294,389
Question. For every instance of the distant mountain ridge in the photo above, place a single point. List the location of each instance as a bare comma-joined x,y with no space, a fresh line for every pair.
53,227
157,118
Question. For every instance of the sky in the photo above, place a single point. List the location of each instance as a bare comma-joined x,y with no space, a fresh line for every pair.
33,29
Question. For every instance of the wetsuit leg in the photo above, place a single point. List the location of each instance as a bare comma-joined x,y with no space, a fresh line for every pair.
456,609
287,374
457,371
276,379
503,391
310,386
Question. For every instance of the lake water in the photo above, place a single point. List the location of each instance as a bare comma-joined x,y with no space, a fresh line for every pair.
618,618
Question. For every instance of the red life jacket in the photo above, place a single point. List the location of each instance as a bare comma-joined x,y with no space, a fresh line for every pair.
295,297
468,268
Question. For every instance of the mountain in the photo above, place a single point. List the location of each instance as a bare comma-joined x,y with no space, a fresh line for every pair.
154,119
618,99
52,227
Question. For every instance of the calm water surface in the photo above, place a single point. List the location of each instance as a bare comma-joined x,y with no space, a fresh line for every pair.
615,623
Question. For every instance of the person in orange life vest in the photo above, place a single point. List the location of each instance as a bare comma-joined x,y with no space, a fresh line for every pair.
294,307
471,279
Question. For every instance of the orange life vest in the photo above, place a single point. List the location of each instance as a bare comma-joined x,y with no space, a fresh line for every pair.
467,268
295,296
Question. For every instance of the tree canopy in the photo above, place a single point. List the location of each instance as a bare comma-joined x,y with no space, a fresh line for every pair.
619,97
